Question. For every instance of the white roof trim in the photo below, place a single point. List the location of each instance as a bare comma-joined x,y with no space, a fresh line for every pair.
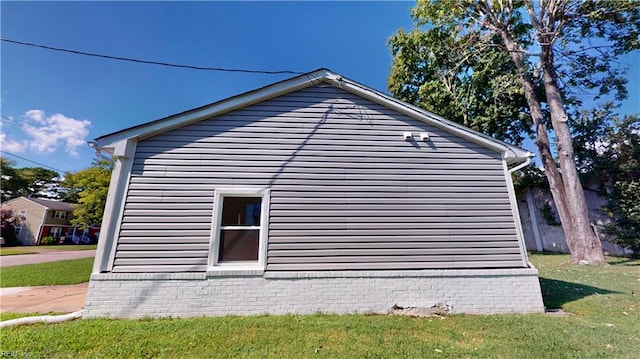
511,153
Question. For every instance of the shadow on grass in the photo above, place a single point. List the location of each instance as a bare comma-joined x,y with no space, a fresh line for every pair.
556,293
628,262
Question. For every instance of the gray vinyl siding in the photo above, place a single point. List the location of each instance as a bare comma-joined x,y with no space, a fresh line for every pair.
347,192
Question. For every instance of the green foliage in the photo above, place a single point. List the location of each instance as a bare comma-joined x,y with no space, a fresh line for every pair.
605,326
27,181
607,148
455,63
7,227
11,182
48,240
89,188
72,271
624,205
548,215
460,77
530,176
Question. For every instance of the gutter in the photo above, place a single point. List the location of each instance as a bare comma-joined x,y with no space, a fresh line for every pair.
523,164
99,150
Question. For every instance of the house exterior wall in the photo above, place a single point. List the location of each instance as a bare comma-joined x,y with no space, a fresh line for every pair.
359,219
61,222
31,221
347,191
486,291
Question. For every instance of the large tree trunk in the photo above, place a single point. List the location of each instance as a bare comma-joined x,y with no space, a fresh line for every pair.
566,189
582,240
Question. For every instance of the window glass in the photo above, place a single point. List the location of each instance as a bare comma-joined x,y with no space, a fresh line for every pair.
241,211
239,237
239,245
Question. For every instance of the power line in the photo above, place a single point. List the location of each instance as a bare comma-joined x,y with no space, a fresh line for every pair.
38,163
222,69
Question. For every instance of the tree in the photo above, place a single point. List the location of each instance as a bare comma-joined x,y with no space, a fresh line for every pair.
608,152
7,226
89,188
575,45
441,71
11,181
27,181
40,182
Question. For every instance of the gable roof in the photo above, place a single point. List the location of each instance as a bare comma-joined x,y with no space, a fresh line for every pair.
54,205
511,153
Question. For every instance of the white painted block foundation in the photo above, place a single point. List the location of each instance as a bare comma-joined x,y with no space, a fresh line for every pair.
486,291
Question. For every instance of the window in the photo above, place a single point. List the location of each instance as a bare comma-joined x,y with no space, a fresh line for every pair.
60,215
18,230
239,233
56,232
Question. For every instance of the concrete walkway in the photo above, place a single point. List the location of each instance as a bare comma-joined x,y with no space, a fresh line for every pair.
43,256
43,299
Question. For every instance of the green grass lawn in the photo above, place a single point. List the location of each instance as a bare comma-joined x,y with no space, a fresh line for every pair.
72,271
605,302
11,251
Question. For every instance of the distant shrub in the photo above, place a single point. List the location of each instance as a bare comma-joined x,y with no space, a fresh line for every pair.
48,240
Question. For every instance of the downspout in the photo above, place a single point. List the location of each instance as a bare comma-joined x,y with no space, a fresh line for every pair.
517,211
523,164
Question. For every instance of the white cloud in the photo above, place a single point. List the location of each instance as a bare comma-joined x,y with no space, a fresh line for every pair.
48,133
10,145
35,115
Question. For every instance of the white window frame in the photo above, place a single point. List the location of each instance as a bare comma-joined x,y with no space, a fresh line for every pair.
17,230
60,215
58,230
259,265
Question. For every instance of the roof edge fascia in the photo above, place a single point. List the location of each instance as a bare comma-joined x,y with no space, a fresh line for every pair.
510,153
216,108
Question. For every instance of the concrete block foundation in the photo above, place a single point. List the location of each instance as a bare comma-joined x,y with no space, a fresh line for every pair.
486,291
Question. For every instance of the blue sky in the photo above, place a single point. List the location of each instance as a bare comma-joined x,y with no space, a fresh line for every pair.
53,102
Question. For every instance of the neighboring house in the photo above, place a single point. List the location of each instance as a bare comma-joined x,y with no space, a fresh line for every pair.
314,194
37,218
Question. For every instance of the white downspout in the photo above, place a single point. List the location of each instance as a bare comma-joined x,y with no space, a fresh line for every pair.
523,164
516,210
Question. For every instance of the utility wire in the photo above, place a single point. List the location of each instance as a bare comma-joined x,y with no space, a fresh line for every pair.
38,163
222,69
